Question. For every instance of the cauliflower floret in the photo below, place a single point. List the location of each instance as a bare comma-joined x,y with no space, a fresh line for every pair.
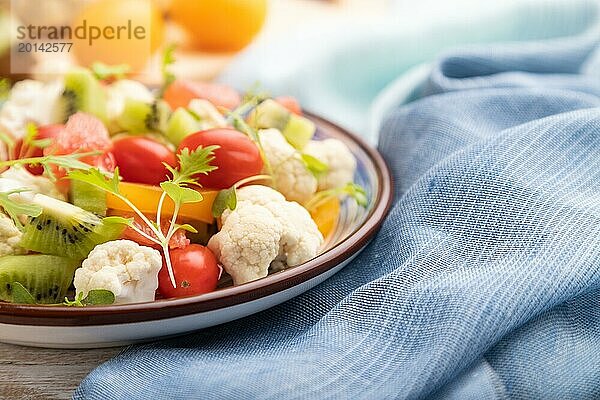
339,159
209,116
31,101
20,178
128,270
122,90
247,243
264,231
10,237
292,178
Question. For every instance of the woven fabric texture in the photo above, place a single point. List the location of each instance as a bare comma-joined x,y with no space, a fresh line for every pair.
484,281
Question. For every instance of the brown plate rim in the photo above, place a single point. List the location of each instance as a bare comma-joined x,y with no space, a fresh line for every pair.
15,314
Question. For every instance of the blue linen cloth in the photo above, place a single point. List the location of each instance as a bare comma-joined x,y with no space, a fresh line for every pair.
483,282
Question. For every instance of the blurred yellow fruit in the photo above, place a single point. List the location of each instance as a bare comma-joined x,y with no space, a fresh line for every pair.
130,32
220,25
326,216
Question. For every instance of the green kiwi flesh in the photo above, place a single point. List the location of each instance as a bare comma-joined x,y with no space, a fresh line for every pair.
46,277
299,131
66,230
88,197
139,117
269,114
84,93
181,124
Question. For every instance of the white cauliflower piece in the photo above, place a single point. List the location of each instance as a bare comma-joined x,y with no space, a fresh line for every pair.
31,101
292,178
125,268
19,178
339,159
209,116
264,231
120,91
10,237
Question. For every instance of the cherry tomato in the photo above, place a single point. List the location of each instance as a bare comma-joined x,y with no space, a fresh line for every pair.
236,158
178,240
181,92
44,132
140,159
195,269
290,103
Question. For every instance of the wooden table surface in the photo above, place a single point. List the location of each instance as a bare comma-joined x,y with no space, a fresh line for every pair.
29,373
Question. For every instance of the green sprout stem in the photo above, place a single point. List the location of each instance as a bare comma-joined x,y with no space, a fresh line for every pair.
158,233
161,201
44,159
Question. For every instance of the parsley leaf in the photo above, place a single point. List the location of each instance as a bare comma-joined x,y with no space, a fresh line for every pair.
181,194
14,208
95,177
116,220
193,163
226,199
186,227
69,161
96,297
20,294
99,297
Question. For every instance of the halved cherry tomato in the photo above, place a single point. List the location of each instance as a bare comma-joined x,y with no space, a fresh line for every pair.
140,159
236,158
290,103
195,269
44,132
181,92
178,240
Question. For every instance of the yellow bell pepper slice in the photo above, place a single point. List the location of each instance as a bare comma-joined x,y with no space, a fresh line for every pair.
326,216
146,198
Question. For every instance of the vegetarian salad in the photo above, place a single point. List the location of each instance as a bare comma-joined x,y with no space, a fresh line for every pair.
114,193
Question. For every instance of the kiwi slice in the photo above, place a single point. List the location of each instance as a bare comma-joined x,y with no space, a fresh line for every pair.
83,92
66,230
88,197
299,131
181,124
46,277
140,117
269,114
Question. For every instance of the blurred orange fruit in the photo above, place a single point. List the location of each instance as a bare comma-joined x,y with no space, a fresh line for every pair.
181,92
220,25
133,47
